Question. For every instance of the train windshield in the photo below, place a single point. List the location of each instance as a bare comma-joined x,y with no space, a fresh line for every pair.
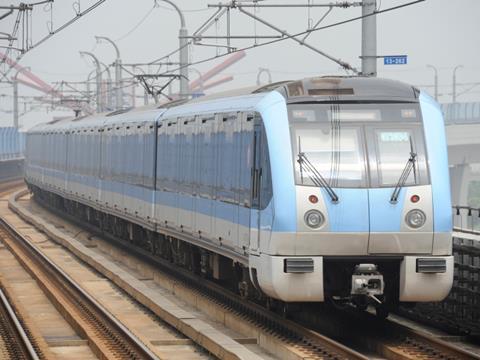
357,145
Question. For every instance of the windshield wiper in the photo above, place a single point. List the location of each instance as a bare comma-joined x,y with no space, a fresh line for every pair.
403,177
315,176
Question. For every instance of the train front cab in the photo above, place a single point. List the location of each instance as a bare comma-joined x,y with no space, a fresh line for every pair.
385,238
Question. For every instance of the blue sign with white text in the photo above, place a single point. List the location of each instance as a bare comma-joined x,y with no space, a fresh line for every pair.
395,60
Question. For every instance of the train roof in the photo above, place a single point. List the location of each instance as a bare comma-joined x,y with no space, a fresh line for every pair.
122,116
330,88
348,88
316,89
308,90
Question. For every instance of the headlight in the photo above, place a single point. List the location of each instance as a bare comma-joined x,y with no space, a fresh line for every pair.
415,218
314,218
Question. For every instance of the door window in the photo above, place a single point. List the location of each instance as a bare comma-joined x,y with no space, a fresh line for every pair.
391,153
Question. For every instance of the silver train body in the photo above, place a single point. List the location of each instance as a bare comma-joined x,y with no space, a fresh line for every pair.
329,187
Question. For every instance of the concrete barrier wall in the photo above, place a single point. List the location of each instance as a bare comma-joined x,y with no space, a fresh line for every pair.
461,113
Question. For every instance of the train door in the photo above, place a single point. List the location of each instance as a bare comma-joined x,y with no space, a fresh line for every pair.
186,202
134,161
226,208
148,170
109,165
160,173
256,176
244,186
65,160
172,168
119,167
204,209
97,135
245,141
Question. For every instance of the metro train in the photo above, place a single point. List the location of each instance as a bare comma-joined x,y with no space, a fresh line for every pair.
326,188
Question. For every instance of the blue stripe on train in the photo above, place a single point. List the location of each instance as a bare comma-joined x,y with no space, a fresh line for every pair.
221,210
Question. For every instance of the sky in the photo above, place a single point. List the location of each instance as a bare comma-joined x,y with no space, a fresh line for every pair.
442,33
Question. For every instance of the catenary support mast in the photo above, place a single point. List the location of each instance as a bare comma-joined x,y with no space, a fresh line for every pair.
369,38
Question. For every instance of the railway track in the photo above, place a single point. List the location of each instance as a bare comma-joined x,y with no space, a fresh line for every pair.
412,344
109,339
15,342
388,338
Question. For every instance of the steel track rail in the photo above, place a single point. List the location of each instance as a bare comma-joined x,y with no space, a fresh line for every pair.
422,343
386,337
113,334
24,349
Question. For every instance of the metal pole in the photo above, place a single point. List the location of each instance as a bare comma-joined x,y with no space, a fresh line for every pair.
88,83
98,80
454,90
145,92
369,38
109,99
183,41
15,103
133,94
436,80
118,73
15,97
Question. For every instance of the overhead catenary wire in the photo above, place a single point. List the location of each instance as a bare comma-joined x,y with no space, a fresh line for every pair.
292,35
153,62
142,20
183,10
468,90
51,33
